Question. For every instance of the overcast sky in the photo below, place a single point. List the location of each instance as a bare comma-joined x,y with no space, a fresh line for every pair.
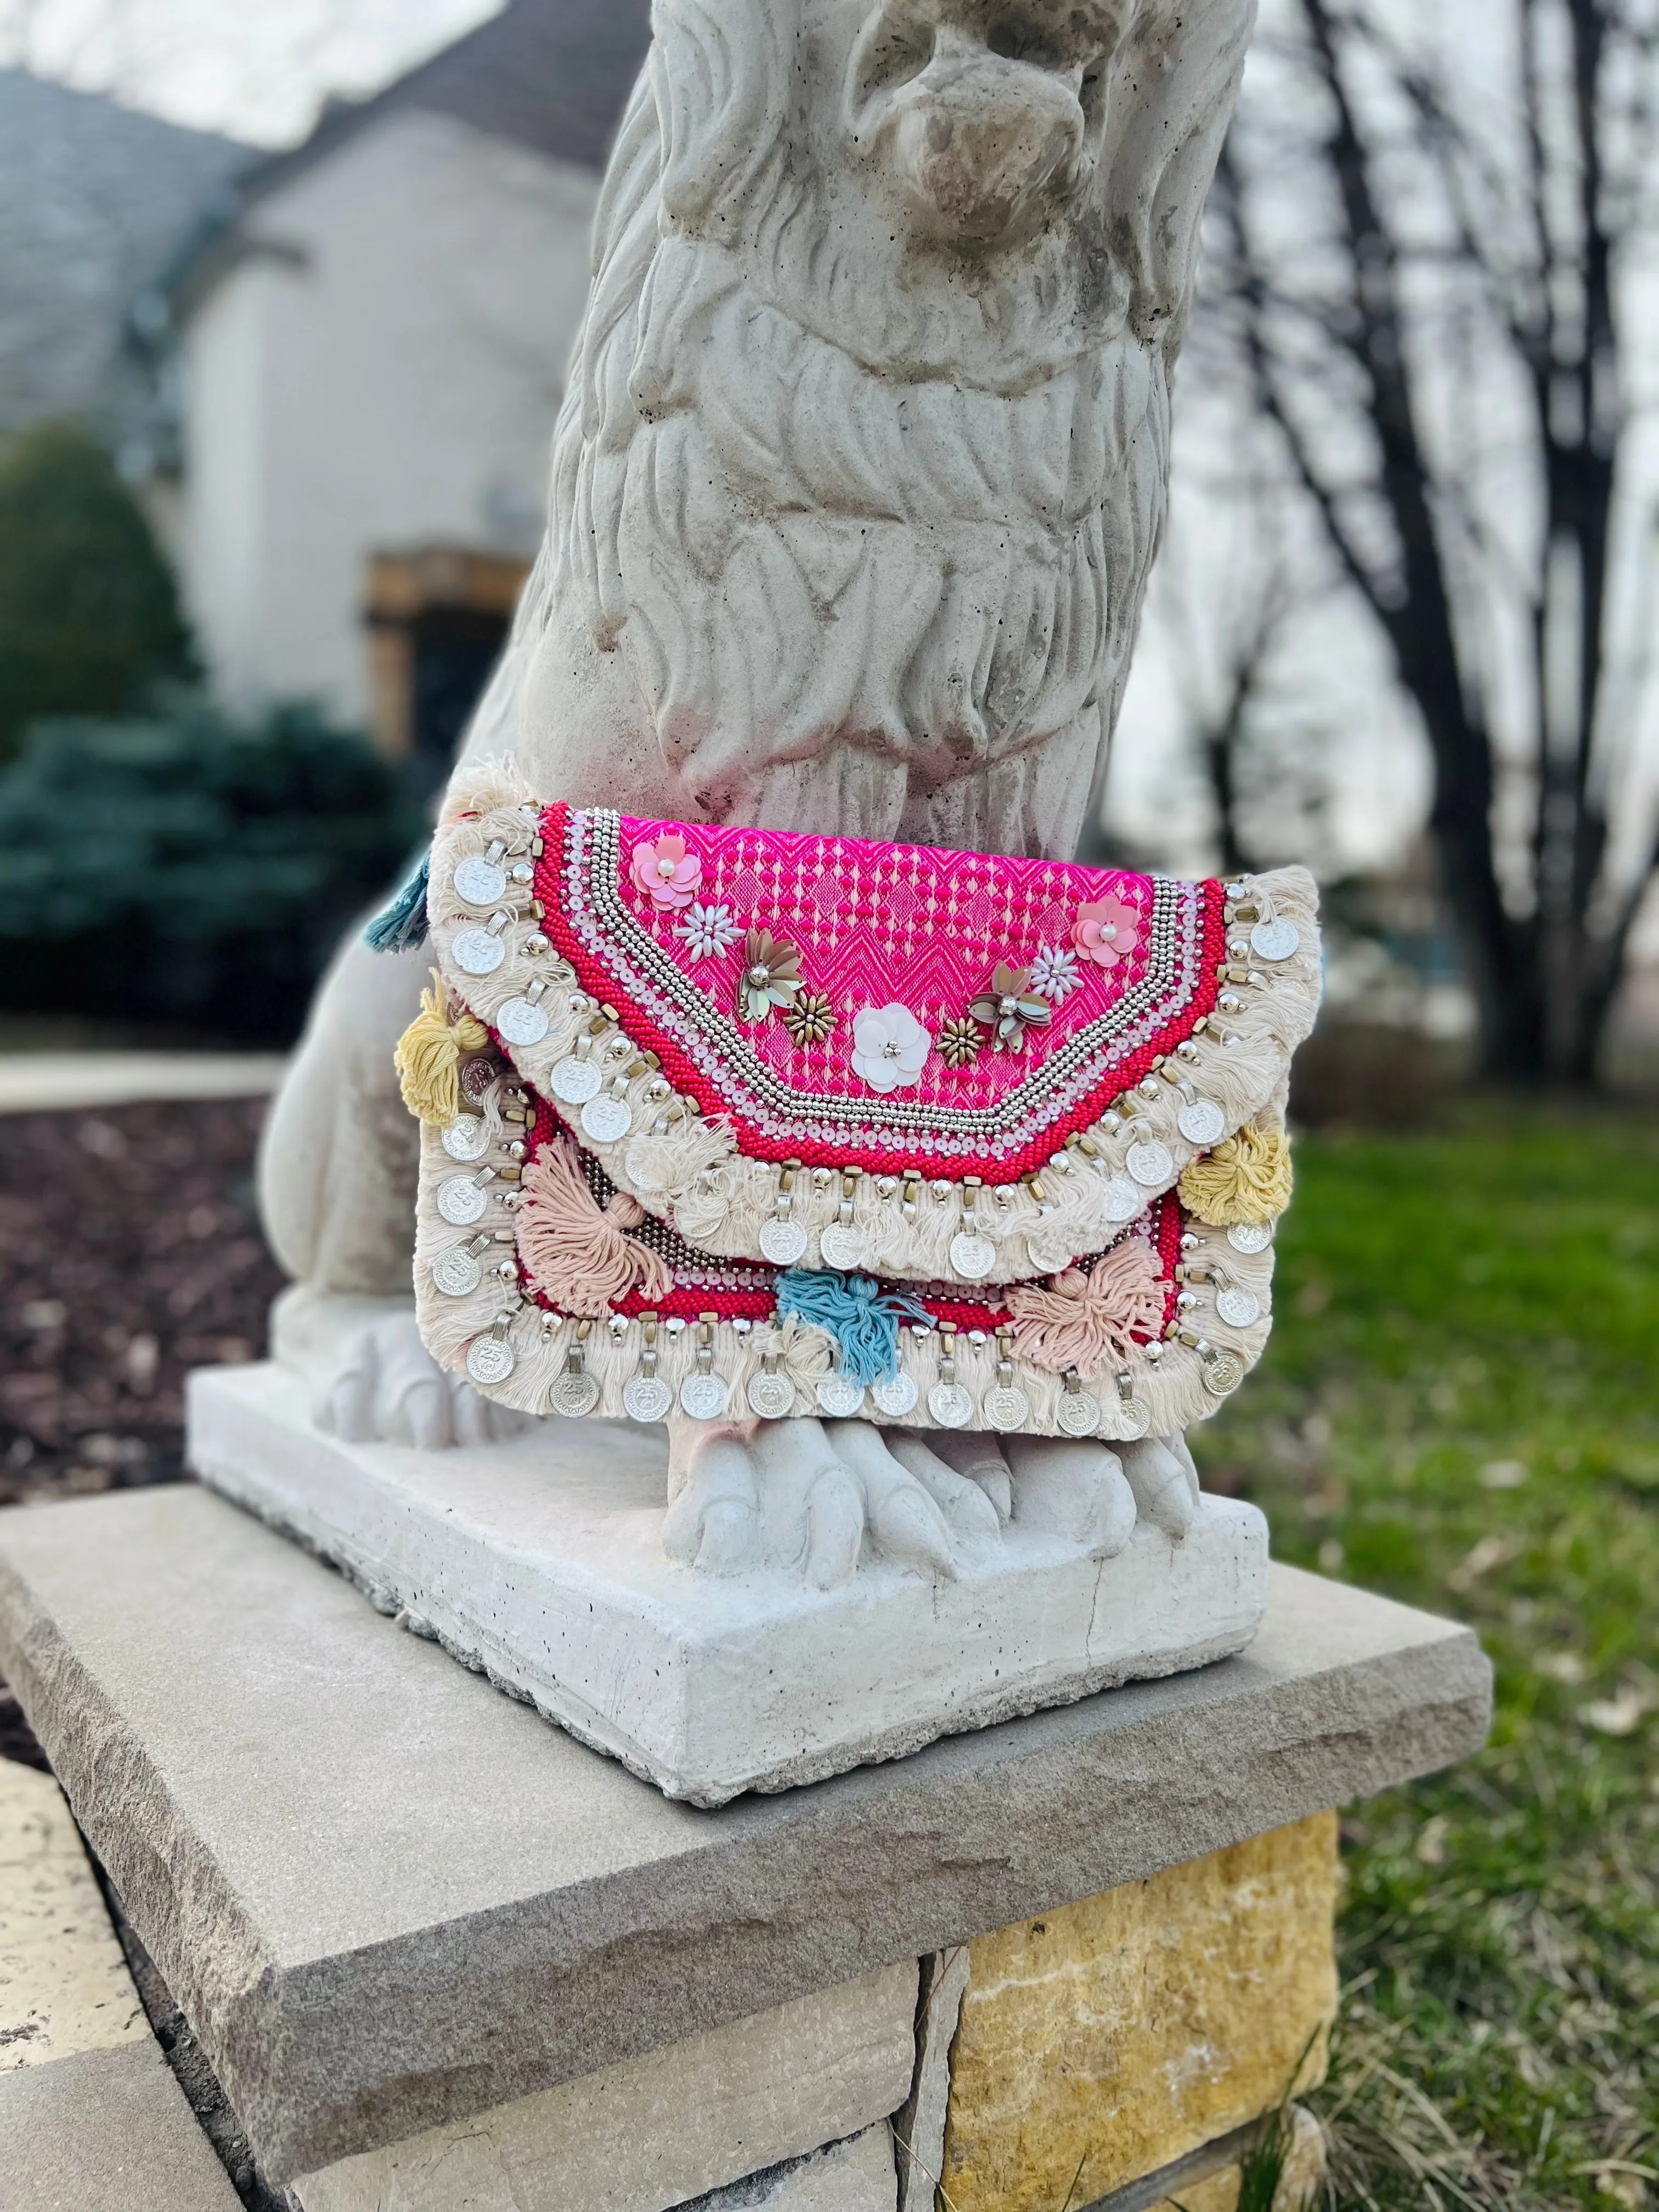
259,69
255,68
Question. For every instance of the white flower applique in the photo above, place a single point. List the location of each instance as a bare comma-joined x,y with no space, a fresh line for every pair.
707,929
1053,974
890,1048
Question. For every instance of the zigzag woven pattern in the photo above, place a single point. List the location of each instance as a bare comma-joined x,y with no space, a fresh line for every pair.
876,926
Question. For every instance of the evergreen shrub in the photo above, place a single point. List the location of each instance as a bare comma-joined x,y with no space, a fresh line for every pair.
90,617
189,869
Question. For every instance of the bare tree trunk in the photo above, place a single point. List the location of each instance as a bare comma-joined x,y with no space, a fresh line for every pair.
1544,979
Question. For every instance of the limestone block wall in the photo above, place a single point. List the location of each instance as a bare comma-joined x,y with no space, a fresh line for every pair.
1103,2041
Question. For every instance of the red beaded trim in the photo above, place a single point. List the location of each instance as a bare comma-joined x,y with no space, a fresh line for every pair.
893,1157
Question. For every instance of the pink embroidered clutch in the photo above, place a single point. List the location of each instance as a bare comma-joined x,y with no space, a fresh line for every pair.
775,1100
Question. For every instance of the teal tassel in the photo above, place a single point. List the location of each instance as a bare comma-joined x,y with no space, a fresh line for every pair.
404,923
862,1317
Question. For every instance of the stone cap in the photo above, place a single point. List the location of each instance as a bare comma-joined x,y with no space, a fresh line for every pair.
386,1895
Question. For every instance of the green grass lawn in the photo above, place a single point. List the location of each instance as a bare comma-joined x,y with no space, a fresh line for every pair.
1459,1407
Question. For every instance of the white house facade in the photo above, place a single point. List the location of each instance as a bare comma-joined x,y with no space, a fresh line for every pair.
370,358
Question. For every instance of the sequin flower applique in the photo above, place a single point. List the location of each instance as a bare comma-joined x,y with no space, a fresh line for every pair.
1106,931
809,1019
1053,974
1010,1008
666,872
770,977
707,929
890,1048
959,1042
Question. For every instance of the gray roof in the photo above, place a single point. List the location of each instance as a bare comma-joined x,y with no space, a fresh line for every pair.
94,198
552,75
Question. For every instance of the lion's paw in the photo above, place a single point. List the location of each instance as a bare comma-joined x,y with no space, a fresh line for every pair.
389,1389
813,1498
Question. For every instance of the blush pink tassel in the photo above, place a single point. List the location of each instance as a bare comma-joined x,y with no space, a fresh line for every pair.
577,1254
1082,1320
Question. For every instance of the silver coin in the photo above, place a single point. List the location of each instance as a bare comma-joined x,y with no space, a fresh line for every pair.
1007,1408
896,1396
477,952
1124,1200
703,1396
575,1081
467,1138
839,1395
782,1241
841,1246
1275,940
573,1395
1238,1309
1250,1235
479,882
606,1119
648,1397
1078,1413
522,1022
1050,1259
1134,1418
1222,1373
1203,1123
1151,1164
478,1077
461,1201
972,1255
950,1405
490,1360
771,1396
457,1273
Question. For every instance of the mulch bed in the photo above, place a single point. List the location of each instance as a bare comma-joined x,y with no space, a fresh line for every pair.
129,1253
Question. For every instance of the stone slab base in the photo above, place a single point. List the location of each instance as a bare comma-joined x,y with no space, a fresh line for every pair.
388,1900
537,1562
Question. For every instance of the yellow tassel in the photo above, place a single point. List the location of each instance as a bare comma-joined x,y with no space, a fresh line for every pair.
1247,1178
428,1056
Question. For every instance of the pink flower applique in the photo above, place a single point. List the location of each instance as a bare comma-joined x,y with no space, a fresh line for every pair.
1106,930
664,868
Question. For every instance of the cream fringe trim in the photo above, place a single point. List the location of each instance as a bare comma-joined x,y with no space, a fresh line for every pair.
1173,1386
689,1170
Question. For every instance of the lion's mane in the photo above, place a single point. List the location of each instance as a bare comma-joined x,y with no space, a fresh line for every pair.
872,538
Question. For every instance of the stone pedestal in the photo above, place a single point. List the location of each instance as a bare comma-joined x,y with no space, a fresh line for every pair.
539,1563
419,1935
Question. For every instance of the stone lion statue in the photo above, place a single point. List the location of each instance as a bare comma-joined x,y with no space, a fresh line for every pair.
859,477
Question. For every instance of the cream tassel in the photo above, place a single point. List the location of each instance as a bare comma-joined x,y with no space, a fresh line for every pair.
719,1212
581,1256
666,1161
428,1057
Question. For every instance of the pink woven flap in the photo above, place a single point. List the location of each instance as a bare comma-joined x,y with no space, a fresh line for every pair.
933,1065
960,1013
